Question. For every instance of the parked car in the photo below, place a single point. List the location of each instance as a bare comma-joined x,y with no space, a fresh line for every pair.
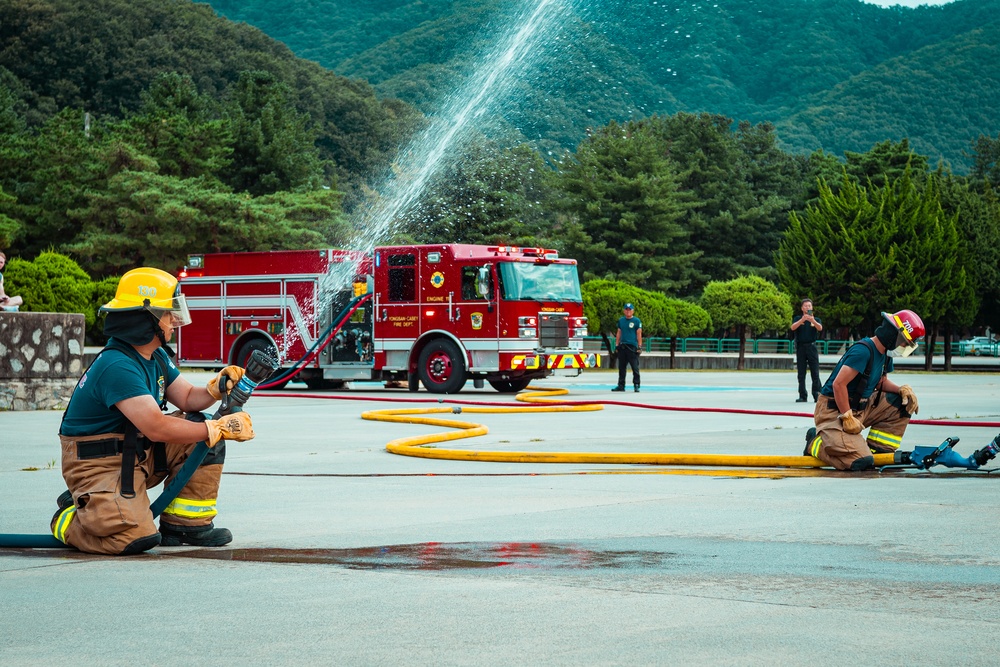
978,346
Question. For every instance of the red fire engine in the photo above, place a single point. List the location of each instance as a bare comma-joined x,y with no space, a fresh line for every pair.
437,314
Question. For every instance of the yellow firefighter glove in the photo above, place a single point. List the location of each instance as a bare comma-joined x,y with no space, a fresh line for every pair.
909,399
851,423
234,373
236,426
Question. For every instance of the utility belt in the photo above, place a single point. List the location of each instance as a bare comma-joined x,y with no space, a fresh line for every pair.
115,444
856,403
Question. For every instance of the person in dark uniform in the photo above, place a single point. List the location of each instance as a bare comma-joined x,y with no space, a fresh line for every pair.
860,394
805,329
628,342
117,442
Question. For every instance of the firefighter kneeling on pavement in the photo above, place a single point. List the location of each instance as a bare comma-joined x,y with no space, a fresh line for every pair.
859,394
117,442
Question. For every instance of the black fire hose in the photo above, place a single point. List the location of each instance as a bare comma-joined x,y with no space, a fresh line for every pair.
259,368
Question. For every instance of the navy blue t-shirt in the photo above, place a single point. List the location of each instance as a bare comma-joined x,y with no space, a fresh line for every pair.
629,327
114,377
857,357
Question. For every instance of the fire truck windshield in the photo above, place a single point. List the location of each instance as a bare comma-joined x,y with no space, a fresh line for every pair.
539,282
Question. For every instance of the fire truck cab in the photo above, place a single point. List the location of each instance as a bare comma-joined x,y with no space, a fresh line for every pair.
438,315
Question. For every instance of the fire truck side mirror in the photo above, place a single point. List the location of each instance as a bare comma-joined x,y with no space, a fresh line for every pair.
483,284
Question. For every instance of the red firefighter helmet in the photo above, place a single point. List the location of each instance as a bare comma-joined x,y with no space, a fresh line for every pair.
910,328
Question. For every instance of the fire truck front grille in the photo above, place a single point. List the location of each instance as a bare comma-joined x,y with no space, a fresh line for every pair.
553,329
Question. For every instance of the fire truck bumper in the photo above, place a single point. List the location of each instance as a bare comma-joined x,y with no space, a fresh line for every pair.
555,362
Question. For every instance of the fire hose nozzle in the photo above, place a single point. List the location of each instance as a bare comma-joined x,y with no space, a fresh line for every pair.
259,368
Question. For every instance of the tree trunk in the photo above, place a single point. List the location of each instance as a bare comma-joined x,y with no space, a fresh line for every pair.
612,353
742,329
947,348
929,351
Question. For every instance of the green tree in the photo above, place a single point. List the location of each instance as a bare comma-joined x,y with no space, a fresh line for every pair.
977,212
9,228
273,144
487,195
862,251
884,163
748,304
986,160
180,129
619,194
691,320
740,186
50,174
144,218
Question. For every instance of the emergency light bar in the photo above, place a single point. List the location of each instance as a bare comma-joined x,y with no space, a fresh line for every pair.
529,252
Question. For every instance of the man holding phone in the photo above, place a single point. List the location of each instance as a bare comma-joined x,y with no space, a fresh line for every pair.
805,330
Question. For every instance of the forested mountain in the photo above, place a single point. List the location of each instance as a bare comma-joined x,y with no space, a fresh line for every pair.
98,56
833,74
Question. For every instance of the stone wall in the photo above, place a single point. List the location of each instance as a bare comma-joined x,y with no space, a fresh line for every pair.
41,358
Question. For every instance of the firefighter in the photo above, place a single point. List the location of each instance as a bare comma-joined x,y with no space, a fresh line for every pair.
859,394
117,442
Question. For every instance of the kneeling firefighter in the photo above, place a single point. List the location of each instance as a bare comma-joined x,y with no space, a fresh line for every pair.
859,394
117,442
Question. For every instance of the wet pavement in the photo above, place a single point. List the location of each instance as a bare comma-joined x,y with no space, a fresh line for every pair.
345,554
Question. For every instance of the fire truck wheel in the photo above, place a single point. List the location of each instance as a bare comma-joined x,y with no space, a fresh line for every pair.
441,367
264,346
510,386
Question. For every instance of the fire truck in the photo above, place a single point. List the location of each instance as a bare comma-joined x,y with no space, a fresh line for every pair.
437,315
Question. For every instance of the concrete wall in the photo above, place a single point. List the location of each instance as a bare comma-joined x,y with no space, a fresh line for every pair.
41,358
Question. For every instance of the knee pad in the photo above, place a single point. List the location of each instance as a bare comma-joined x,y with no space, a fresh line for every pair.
864,463
141,544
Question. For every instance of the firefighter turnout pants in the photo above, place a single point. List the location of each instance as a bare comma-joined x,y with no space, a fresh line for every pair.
885,416
103,521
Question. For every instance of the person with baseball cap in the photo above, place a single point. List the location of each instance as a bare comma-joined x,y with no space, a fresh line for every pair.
628,342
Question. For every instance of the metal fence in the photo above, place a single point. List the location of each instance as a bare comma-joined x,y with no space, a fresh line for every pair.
784,346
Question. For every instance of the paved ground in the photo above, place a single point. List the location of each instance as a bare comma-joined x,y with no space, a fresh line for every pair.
345,554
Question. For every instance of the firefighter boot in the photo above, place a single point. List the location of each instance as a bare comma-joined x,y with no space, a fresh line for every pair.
810,436
64,500
174,535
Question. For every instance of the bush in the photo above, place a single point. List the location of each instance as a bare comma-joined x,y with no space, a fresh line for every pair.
52,283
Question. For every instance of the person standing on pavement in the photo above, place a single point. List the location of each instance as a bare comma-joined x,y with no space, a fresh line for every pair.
628,342
117,442
805,330
860,394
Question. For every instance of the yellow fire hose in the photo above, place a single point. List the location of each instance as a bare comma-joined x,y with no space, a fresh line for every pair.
423,445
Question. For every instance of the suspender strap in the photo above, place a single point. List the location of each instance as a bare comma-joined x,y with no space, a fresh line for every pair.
128,460
160,457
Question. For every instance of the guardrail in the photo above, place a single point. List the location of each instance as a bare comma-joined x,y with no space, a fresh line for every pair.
783,346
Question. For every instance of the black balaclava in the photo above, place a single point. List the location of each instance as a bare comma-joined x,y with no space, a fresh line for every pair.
887,334
135,327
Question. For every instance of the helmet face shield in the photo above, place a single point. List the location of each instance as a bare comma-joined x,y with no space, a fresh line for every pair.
910,329
178,311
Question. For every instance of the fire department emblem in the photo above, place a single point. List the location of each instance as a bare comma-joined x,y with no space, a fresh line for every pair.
437,279
477,320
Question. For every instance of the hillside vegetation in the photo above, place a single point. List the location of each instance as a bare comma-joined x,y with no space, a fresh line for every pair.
833,74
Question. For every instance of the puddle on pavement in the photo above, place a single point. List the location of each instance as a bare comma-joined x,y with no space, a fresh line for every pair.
440,556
